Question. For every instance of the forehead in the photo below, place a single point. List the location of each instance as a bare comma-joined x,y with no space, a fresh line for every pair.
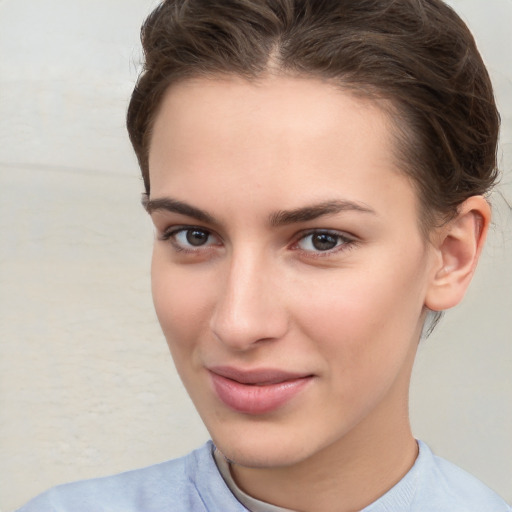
285,137
279,105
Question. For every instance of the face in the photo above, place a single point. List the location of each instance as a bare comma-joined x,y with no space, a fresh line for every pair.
289,273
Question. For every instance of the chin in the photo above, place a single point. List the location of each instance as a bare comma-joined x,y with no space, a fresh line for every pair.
255,456
261,446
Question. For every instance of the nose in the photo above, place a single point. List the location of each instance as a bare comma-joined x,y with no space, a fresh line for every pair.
249,308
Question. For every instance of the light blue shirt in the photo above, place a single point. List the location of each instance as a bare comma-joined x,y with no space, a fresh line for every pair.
194,484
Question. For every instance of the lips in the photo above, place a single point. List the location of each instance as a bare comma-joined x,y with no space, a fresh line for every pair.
256,391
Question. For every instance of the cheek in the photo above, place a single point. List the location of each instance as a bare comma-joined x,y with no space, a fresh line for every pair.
363,322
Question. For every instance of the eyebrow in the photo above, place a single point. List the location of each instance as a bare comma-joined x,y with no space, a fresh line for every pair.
173,205
279,218
315,211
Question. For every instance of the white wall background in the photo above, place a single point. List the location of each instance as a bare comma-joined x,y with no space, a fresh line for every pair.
86,385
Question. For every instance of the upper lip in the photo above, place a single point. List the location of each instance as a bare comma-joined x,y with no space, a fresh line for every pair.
261,376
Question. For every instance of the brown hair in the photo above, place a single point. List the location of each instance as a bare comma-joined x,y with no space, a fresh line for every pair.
418,55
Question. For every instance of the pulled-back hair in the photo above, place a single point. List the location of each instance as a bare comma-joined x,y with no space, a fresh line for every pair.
416,55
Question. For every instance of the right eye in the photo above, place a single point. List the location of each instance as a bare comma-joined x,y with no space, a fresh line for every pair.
190,238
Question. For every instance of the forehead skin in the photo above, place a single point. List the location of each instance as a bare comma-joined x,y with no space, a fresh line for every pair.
265,127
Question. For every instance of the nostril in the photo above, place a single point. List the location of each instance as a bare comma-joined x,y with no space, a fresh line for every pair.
244,331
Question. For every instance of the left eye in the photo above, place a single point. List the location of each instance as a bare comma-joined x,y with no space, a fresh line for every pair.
191,238
195,237
321,241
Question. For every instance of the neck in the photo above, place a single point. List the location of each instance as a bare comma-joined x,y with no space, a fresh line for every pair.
346,476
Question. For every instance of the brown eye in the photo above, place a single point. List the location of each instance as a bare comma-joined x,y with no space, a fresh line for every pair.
323,241
191,238
196,237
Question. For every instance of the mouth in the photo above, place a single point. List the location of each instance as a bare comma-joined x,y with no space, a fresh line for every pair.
256,391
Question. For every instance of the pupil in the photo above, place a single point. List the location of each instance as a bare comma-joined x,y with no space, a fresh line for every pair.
196,237
324,241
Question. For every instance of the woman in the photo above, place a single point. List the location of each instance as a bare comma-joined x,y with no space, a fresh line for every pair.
316,173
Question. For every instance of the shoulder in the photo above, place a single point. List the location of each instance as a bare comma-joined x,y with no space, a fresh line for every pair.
175,485
446,487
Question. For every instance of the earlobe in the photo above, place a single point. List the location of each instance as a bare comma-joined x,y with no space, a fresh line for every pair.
458,246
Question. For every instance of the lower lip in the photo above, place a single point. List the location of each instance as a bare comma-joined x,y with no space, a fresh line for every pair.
252,399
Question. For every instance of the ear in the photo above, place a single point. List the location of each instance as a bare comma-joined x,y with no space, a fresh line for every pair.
457,246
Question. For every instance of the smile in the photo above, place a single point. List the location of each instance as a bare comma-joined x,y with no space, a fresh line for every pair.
256,391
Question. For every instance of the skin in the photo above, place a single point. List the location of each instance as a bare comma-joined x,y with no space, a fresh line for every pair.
258,294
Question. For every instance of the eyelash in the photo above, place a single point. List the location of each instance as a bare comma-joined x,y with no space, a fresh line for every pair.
343,242
171,233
